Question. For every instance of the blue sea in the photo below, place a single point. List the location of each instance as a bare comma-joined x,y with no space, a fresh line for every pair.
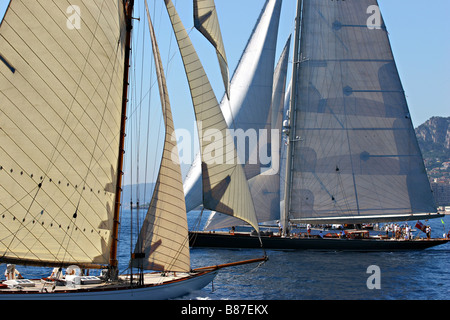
313,275
316,275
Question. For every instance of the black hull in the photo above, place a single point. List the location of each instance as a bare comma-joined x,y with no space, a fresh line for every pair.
247,241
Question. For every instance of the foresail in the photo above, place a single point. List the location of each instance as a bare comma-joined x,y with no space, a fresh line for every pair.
248,108
265,187
207,22
61,80
163,243
225,187
355,153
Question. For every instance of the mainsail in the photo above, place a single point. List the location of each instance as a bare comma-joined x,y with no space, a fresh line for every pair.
163,243
207,22
353,151
251,95
61,87
225,186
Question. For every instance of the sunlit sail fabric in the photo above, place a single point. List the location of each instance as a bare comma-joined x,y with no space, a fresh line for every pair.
357,157
250,95
207,22
61,81
265,187
225,187
164,234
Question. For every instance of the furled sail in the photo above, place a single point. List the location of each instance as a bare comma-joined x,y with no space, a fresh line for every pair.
163,243
356,158
251,95
61,81
265,187
207,22
225,188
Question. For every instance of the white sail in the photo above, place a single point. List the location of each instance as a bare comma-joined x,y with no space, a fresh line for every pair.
207,22
357,158
265,188
225,188
61,83
163,242
251,94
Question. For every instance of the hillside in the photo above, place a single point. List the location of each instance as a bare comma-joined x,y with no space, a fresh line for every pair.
434,141
130,192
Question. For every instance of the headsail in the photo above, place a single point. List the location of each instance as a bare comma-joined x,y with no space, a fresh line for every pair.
251,94
163,242
225,187
356,158
60,122
207,22
265,188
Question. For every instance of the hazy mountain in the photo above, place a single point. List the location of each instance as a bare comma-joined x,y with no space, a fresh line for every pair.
130,192
434,141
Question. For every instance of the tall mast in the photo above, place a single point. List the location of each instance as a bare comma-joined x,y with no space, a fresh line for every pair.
291,119
128,7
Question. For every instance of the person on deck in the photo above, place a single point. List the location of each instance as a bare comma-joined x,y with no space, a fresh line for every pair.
408,232
11,273
428,232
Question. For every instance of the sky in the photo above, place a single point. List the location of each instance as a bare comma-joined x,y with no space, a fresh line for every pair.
419,32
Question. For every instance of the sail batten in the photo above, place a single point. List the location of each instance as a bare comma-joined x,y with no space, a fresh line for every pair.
354,156
60,124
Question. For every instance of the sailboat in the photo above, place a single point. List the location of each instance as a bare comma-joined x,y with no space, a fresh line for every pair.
351,152
64,89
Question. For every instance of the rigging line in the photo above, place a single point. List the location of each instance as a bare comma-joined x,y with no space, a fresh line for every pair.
154,168
149,119
138,223
131,131
148,133
242,274
196,226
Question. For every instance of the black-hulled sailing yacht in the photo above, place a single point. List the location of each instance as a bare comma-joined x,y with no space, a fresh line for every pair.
352,156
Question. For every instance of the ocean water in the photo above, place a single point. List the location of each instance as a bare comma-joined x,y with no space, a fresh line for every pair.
314,275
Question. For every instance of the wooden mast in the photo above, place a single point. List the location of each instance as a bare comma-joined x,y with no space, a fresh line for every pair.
113,262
